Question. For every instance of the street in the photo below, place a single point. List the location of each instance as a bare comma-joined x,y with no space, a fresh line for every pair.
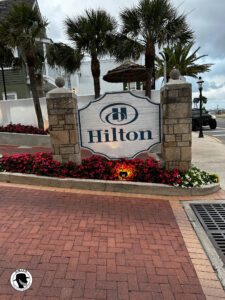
219,132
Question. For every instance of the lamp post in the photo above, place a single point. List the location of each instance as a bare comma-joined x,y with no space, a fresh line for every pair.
200,84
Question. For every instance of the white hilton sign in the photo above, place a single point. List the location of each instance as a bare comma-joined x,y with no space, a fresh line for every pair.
119,125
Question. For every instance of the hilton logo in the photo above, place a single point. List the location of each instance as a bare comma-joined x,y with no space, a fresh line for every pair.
118,114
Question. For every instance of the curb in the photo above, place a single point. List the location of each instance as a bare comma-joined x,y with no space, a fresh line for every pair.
107,185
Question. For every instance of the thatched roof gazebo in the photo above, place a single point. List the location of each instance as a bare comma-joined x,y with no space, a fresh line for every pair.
127,72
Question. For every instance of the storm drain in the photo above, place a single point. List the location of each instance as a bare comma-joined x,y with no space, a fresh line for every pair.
212,218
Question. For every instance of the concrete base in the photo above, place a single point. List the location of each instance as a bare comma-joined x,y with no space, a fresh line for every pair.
107,185
24,139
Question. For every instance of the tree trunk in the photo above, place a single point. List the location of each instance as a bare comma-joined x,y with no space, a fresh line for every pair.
153,77
37,106
39,85
149,64
3,79
95,70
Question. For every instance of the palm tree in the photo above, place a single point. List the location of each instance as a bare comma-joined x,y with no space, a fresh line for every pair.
62,55
6,59
21,28
181,57
152,23
92,34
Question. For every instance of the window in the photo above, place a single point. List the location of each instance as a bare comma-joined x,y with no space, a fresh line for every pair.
132,86
10,96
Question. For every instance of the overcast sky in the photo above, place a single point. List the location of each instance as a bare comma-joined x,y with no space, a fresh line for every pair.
205,17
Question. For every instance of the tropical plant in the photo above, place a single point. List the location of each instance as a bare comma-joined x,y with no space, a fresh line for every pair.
64,56
181,57
92,34
6,55
6,59
21,28
151,23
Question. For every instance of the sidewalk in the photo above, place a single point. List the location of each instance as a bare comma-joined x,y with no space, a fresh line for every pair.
208,154
96,246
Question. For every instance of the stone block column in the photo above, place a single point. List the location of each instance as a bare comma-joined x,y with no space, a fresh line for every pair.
176,103
63,125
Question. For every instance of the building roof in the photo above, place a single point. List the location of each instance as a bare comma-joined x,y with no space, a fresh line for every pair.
5,6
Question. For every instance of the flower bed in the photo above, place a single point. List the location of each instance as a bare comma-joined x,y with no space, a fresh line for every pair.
97,167
19,128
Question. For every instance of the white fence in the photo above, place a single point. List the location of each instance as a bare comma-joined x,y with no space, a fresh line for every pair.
22,110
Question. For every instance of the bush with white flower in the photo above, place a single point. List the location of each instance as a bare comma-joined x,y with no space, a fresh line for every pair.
195,177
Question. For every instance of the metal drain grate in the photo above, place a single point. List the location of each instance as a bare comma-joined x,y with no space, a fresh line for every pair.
212,218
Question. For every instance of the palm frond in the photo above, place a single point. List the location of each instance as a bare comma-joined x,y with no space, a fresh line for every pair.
64,56
181,57
130,21
22,26
126,48
6,55
90,32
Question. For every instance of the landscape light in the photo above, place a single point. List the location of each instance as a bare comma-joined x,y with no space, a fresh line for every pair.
124,171
123,174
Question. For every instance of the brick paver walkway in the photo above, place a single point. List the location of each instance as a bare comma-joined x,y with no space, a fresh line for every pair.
80,246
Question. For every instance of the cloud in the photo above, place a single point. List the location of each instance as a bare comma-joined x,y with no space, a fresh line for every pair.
214,85
56,11
207,21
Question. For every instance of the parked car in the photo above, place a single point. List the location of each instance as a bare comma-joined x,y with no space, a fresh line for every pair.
207,119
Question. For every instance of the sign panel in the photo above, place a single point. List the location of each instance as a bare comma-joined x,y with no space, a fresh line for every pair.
119,125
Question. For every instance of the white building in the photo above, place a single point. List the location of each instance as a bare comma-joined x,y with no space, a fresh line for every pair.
82,81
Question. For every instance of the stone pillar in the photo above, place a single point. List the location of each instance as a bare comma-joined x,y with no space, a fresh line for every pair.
63,125
176,103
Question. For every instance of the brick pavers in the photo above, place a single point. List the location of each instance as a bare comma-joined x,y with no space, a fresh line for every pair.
87,246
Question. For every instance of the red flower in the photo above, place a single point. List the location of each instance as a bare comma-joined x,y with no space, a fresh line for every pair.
19,128
95,167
